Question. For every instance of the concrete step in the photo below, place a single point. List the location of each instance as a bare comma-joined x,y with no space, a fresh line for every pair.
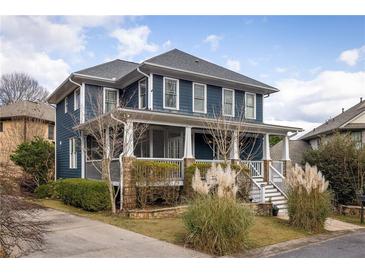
276,198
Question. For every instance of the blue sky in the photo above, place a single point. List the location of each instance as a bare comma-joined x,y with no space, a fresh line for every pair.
318,62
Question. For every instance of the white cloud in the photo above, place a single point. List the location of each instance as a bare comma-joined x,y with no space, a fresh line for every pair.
167,45
133,41
213,40
40,33
233,64
47,71
315,100
281,69
315,70
352,56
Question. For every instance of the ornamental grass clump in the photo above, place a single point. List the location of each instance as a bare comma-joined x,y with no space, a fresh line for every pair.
309,201
215,221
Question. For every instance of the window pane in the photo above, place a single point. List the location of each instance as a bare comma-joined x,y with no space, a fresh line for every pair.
110,99
198,105
250,112
228,102
143,93
250,100
199,91
170,93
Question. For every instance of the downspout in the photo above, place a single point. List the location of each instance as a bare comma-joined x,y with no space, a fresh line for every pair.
121,165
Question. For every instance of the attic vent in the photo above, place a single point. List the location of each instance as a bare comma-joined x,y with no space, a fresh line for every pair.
196,61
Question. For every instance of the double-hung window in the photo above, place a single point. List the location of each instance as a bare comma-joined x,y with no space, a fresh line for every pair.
199,98
77,99
142,93
228,102
250,105
171,93
66,104
73,153
110,99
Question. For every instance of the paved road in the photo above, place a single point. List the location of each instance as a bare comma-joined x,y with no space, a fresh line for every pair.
73,236
347,246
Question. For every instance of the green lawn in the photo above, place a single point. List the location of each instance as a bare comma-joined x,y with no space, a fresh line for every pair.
265,231
348,218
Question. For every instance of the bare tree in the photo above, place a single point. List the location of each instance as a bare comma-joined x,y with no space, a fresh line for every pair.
219,135
21,229
107,132
18,86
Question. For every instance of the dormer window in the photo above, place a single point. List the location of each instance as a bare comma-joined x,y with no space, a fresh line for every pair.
142,93
228,102
170,93
250,105
110,99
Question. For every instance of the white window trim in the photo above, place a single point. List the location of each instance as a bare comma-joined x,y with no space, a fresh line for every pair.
205,98
233,102
104,89
254,105
177,93
66,104
139,93
72,156
78,89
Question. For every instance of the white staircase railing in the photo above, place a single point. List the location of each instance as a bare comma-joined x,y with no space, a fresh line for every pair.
257,192
256,168
277,179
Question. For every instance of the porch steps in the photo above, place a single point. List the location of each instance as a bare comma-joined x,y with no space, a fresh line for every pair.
277,198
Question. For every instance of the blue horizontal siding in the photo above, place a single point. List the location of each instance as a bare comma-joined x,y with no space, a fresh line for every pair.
64,131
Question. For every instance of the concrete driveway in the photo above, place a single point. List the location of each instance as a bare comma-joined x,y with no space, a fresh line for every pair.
350,245
73,236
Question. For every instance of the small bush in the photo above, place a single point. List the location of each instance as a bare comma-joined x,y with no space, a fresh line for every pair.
43,191
217,225
309,201
90,195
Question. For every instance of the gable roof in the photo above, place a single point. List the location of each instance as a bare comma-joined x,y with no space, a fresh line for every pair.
177,59
111,70
296,151
29,109
340,121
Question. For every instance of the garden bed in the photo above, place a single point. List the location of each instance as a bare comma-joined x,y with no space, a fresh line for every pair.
156,213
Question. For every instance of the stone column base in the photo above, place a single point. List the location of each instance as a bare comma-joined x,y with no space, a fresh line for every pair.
188,190
129,184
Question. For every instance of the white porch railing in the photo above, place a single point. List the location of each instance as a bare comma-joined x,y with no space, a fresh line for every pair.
209,161
256,168
278,165
177,175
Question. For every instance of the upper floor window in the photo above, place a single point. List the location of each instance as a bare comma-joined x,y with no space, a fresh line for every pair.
170,93
357,138
66,104
110,99
228,102
77,99
250,105
199,98
50,131
72,153
142,93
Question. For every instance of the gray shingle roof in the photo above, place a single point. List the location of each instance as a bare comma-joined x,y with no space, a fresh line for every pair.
183,61
36,110
296,150
113,69
336,122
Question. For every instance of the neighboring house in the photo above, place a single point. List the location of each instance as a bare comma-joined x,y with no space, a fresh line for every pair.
174,93
296,150
351,121
20,122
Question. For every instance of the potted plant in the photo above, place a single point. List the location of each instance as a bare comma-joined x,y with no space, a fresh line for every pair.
275,210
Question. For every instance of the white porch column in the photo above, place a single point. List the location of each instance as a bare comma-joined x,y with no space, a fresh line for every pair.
266,150
128,139
235,146
83,152
285,156
188,152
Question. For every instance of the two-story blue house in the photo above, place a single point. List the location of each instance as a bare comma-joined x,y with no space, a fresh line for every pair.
174,93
